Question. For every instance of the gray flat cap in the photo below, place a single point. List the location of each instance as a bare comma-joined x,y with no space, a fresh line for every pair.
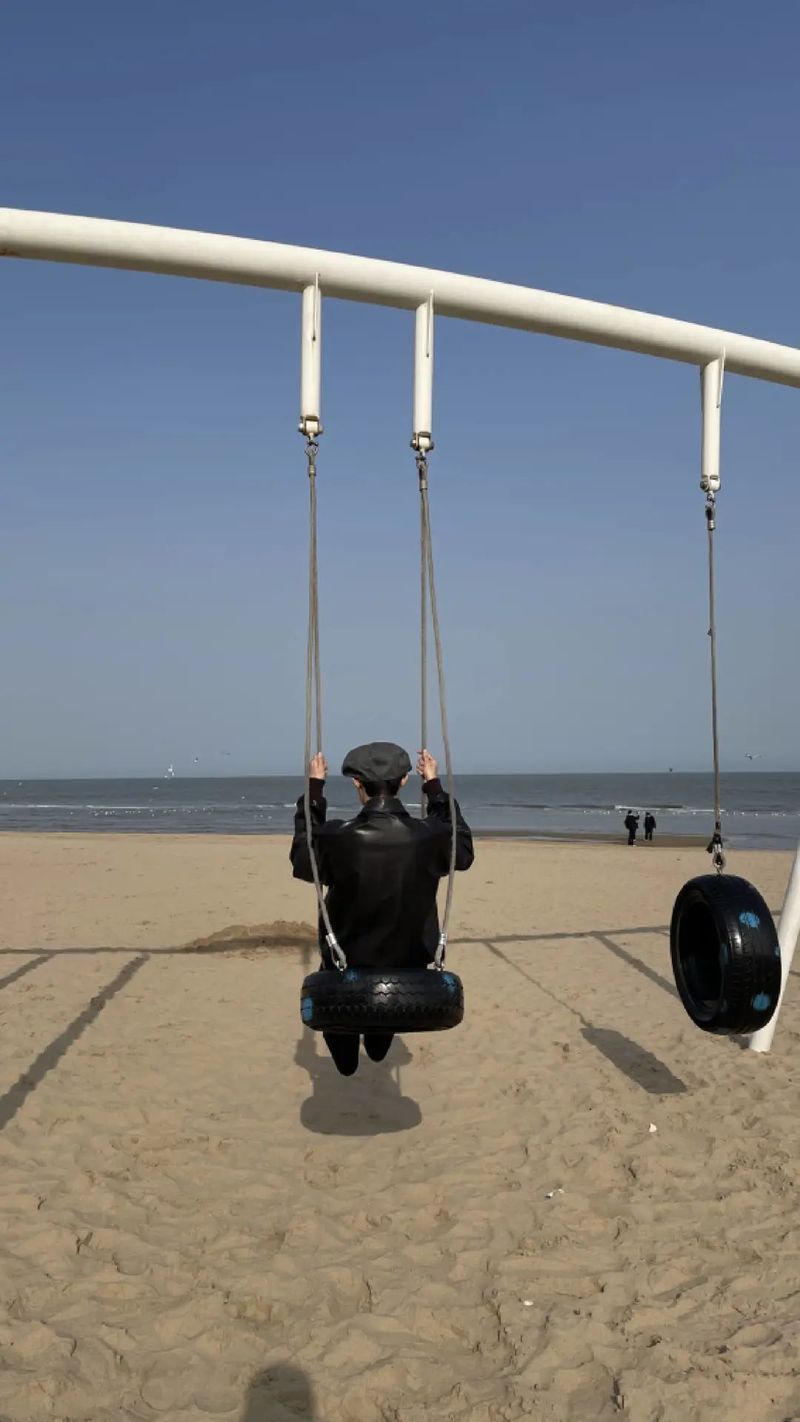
380,760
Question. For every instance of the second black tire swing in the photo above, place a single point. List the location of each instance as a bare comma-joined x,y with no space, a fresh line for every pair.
723,942
360,999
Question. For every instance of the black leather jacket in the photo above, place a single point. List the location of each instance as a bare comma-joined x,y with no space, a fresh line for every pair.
382,870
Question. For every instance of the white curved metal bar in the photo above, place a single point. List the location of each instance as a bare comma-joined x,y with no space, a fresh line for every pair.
95,241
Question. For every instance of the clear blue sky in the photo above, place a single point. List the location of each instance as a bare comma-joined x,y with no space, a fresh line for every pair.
152,502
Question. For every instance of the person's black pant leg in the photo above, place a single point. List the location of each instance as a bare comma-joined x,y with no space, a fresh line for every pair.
377,1044
343,1047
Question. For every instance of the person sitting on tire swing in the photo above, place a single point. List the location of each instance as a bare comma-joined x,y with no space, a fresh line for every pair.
381,870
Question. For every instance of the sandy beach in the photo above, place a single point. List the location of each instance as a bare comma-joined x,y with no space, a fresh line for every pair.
202,1220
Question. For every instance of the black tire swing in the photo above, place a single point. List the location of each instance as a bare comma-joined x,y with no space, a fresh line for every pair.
359,999
723,941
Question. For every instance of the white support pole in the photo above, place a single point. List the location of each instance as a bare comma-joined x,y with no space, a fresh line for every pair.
711,378
422,419
311,362
788,933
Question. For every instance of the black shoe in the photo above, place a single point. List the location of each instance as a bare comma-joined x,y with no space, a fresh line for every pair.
377,1044
343,1047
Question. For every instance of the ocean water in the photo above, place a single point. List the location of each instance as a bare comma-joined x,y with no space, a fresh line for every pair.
761,810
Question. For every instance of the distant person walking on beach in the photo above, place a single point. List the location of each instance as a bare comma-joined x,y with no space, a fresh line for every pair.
631,824
649,825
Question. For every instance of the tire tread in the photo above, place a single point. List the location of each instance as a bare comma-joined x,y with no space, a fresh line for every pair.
359,1000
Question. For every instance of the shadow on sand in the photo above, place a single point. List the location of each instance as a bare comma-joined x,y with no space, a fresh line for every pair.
634,1061
628,1056
371,1103
279,1394
15,1097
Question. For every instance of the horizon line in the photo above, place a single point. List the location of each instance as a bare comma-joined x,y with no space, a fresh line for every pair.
298,775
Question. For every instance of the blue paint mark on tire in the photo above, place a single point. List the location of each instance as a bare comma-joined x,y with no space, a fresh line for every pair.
449,980
307,1009
777,950
761,1001
724,953
750,920
350,975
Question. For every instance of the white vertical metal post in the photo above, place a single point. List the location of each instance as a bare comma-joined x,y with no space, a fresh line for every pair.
788,933
311,362
422,419
711,378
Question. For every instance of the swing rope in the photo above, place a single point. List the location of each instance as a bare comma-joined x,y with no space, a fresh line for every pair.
424,535
715,847
428,595
313,726
314,695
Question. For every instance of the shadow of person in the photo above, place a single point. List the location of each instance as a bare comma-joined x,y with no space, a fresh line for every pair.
371,1103
279,1394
